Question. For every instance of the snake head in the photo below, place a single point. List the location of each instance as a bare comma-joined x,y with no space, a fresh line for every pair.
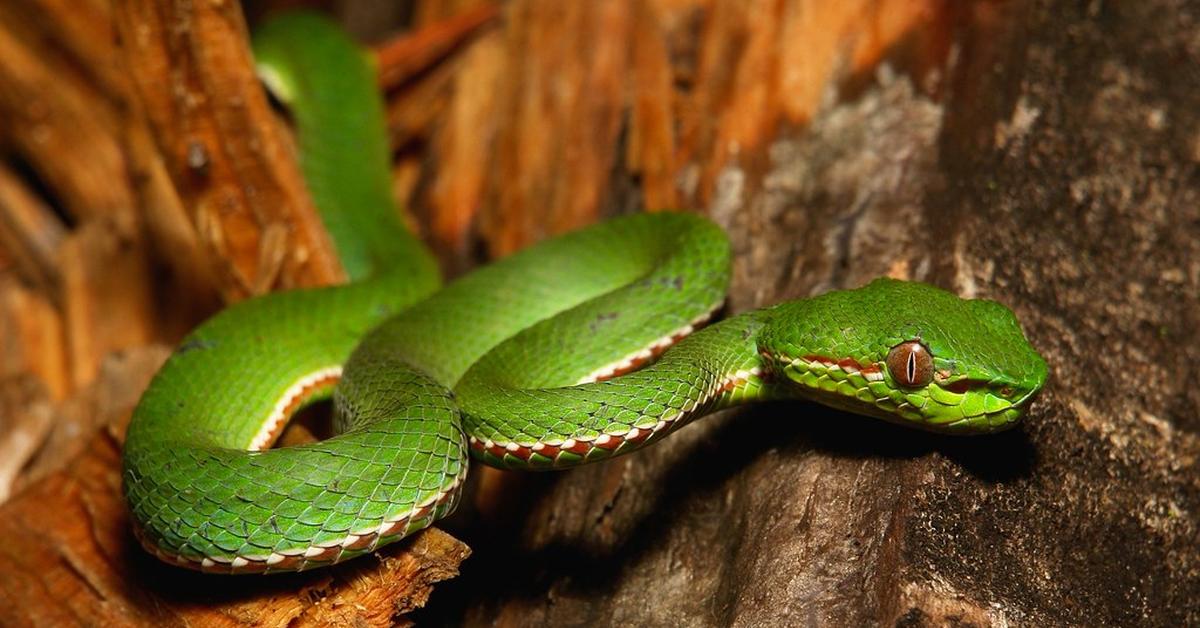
909,353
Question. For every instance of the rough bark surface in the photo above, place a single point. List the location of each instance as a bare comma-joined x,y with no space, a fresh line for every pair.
1051,166
1043,155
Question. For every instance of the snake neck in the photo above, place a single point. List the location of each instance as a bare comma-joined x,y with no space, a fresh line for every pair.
715,368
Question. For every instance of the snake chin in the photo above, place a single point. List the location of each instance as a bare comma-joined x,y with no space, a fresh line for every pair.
983,409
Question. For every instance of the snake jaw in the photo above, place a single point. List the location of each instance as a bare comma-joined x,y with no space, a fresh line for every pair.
961,405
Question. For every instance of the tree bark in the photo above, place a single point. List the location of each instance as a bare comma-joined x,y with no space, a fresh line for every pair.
1041,155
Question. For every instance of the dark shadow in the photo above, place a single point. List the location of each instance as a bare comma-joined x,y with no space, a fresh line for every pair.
311,423
27,173
991,458
795,429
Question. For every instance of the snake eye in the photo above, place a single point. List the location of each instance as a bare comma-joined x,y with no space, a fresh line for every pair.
910,364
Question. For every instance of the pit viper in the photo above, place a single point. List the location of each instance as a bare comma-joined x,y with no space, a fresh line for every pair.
575,350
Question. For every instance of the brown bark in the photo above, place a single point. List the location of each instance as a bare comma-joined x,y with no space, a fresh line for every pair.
194,79
1038,154
135,205
71,557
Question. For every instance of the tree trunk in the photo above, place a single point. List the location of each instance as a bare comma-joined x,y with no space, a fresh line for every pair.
1041,154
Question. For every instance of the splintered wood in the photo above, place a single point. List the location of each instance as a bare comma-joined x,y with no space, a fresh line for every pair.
72,559
227,156
144,179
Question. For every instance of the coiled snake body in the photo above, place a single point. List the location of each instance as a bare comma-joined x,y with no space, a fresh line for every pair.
531,362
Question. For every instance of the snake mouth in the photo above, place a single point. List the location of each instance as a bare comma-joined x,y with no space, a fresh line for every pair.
988,421
1027,398
963,406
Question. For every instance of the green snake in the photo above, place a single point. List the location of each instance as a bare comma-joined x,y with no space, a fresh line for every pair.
552,357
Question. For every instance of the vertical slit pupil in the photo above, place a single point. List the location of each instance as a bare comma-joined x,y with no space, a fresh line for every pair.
911,364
